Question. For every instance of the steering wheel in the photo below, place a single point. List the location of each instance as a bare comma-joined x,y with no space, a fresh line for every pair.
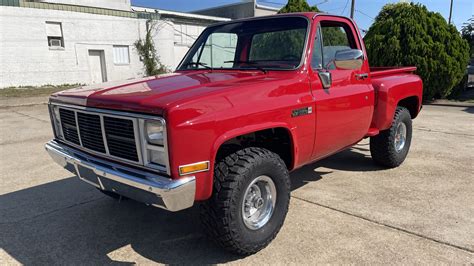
290,57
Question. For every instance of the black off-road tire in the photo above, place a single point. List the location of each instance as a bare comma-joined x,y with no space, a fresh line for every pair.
382,146
221,215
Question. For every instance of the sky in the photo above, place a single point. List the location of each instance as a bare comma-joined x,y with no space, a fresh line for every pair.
366,10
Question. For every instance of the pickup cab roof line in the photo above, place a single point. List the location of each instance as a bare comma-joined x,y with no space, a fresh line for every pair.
331,15
278,16
300,14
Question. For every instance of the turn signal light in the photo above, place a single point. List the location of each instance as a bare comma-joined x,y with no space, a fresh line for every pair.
193,168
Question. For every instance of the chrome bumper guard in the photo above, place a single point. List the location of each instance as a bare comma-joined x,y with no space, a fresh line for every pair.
146,187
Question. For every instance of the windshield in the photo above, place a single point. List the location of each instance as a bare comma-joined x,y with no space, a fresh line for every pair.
275,44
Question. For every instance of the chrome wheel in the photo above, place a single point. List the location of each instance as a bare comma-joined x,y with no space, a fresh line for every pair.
400,136
259,202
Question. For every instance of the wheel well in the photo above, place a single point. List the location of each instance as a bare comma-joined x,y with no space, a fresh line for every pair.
277,140
411,103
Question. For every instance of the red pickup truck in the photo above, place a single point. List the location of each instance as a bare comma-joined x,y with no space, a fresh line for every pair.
252,100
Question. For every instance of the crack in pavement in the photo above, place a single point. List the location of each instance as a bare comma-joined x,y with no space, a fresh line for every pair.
399,229
36,139
444,132
20,105
29,116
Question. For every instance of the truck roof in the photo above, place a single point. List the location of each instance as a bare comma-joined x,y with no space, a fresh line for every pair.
308,15
296,14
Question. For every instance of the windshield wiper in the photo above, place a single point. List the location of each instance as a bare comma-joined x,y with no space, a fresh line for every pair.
198,64
253,64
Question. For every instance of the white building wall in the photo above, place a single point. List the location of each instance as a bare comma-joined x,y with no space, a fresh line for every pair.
260,11
176,33
164,43
184,36
110,4
26,58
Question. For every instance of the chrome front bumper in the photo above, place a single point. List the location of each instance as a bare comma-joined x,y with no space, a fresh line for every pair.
146,187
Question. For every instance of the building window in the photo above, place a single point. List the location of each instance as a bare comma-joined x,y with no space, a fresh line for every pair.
54,32
186,34
121,55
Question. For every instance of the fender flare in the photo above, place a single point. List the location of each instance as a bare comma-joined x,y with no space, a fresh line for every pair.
253,128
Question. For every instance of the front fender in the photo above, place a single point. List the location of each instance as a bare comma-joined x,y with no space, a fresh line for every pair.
253,128
205,180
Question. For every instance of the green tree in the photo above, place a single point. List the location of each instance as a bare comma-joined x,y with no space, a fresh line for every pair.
285,44
406,34
332,35
298,6
146,50
467,32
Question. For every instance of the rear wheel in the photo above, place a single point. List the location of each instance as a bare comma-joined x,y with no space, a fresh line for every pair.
391,146
250,200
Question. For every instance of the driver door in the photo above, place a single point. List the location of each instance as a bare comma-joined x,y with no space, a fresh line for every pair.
344,110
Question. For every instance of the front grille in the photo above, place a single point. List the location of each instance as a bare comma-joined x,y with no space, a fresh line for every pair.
89,129
120,138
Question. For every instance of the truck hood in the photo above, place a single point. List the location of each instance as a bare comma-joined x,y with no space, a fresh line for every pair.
156,93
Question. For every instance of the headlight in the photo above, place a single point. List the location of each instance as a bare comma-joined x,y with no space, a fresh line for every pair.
56,121
154,132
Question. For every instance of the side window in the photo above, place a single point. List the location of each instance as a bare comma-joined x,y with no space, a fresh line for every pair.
335,38
317,57
218,50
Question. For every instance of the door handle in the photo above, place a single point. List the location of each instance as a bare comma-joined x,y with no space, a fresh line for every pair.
362,76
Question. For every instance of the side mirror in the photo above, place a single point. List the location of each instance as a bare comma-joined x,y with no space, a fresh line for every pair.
349,59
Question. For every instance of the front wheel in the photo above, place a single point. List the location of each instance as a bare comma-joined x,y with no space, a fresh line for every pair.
391,146
250,200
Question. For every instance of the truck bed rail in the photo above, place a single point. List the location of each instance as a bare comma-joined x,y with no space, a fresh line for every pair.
384,71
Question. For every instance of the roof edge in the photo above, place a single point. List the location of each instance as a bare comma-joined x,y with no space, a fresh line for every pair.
178,14
227,5
271,8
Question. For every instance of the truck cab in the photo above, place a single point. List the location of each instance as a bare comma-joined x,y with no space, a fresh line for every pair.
251,101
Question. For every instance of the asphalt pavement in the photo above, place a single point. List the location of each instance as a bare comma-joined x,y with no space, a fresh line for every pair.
344,209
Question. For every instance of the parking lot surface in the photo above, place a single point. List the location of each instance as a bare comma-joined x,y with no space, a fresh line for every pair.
344,209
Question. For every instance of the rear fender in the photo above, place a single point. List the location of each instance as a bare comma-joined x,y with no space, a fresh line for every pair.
390,90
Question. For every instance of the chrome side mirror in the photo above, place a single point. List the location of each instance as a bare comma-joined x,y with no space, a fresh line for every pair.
349,59
326,79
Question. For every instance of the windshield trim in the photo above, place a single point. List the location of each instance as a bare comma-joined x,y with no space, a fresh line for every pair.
305,47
